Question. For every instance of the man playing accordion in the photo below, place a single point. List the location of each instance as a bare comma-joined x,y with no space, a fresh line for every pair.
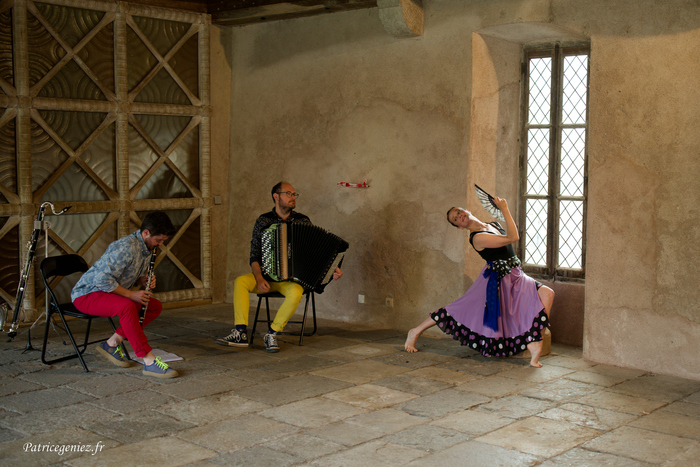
284,197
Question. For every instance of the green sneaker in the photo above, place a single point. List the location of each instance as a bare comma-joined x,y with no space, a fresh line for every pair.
159,369
114,354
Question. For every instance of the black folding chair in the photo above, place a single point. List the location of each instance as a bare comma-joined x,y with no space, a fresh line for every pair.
302,333
60,266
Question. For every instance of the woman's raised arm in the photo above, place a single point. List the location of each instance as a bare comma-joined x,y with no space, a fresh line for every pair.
498,240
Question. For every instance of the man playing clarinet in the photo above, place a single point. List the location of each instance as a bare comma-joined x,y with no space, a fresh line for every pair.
105,290
284,197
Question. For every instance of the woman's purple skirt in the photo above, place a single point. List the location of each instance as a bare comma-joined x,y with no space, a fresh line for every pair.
522,320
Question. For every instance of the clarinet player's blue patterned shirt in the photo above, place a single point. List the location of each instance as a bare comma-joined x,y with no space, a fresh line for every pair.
122,264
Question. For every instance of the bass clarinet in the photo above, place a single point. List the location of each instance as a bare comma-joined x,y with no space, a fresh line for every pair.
31,249
149,278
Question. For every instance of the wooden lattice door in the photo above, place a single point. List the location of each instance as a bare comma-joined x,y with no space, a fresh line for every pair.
104,106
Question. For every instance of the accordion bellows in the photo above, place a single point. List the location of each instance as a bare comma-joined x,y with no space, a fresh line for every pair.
302,253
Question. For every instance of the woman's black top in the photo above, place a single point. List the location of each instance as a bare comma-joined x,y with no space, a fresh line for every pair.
492,254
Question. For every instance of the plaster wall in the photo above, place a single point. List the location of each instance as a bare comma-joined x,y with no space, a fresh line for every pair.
316,101
644,225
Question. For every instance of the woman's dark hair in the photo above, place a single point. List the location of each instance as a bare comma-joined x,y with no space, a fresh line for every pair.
158,223
448,215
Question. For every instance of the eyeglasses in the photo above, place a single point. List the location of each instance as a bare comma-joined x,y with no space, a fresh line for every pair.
289,193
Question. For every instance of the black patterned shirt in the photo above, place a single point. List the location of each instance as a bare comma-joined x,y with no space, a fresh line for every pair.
265,221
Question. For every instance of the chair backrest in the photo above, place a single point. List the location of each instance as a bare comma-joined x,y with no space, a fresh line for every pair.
62,266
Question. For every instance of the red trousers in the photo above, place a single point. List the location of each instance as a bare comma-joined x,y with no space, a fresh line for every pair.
110,305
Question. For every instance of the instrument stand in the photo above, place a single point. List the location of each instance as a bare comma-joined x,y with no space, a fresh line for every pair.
29,347
45,226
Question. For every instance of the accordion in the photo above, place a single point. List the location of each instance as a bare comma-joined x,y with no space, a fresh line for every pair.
302,253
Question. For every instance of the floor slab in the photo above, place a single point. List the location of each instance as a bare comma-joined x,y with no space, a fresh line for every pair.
639,444
539,437
314,412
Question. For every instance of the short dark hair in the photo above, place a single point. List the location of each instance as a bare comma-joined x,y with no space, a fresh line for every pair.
158,223
448,214
276,189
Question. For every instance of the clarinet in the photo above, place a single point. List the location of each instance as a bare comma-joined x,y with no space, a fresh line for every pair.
149,278
31,249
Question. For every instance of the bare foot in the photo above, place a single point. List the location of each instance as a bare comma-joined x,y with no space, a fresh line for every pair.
535,350
411,339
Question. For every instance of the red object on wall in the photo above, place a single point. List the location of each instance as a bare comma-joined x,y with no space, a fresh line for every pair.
354,185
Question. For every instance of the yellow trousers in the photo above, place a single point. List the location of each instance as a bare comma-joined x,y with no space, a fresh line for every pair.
244,285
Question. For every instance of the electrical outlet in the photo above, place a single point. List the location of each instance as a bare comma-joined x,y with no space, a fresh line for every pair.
389,302
360,298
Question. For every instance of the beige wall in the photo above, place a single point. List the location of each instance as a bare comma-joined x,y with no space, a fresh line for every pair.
315,101
642,295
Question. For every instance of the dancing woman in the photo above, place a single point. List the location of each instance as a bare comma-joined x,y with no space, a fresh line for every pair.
505,311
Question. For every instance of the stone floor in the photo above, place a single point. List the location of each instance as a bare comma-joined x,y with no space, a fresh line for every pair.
347,397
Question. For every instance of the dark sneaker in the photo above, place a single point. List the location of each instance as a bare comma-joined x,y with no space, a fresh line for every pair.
236,339
114,354
159,369
271,343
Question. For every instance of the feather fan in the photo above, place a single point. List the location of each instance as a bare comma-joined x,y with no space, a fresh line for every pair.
488,204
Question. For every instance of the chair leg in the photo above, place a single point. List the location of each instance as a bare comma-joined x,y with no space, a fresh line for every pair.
313,312
303,321
87,336
255,323
78,353
267,307
313,315
46,338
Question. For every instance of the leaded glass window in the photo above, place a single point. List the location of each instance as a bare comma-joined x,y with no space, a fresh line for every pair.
554,150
